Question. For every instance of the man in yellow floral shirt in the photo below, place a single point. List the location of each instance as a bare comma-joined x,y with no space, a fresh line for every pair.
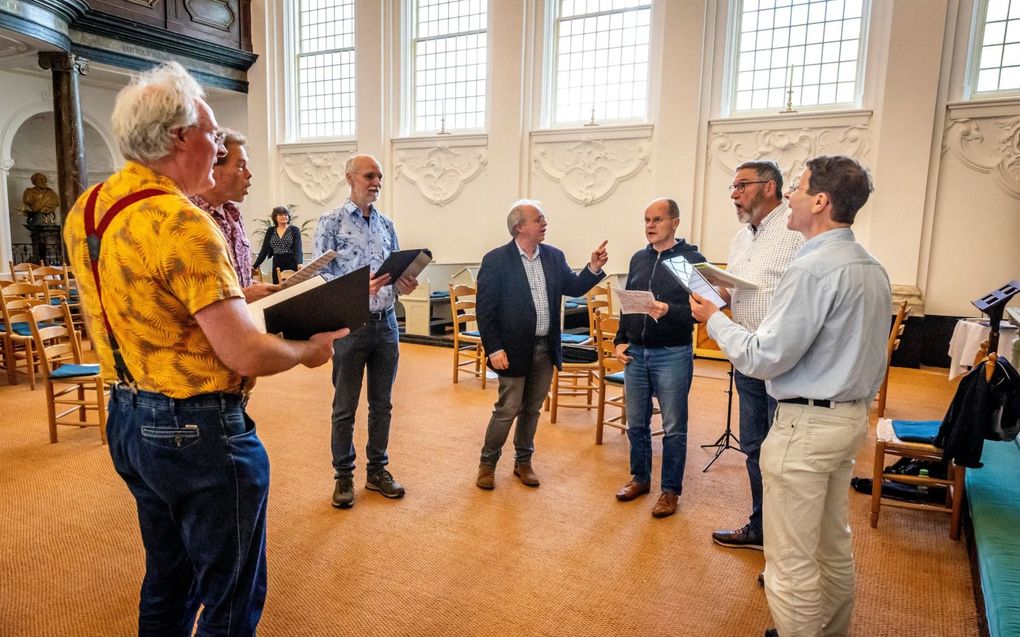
153,269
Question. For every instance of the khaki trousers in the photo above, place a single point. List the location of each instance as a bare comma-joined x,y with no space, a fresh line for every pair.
806,462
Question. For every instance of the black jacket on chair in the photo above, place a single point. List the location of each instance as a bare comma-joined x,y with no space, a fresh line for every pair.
980,411
506,312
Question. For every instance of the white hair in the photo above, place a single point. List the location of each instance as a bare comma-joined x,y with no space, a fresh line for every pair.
156,102
513,219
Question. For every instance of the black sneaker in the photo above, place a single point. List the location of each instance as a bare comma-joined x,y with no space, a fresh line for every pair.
384,483
742,538
343,493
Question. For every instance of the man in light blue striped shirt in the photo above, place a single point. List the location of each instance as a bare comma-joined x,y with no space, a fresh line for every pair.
361,236
821,351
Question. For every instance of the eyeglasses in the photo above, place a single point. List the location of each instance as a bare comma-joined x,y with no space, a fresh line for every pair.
792,189
218,136
740,187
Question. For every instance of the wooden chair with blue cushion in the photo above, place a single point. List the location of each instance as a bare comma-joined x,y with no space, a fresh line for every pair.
612,393
15,301
73,387
468,353
611,379
909,439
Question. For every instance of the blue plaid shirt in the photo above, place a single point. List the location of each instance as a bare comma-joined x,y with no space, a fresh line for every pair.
358,242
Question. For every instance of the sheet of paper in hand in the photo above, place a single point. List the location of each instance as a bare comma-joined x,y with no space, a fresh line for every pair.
692,280
309,270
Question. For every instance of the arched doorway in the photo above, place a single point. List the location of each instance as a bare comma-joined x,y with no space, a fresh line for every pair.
33,151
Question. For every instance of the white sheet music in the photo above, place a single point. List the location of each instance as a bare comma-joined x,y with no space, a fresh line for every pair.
692,280
634,301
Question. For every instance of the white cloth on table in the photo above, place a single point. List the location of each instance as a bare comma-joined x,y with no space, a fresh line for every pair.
967,337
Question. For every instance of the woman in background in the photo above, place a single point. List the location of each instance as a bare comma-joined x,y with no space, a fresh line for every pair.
282,243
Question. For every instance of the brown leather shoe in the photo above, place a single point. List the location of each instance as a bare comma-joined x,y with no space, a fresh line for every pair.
666,505
526,474
632,490
486,477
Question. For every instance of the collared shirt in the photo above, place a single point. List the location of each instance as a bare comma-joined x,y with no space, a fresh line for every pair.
761,256
161,261
536,281
228,218
358,242
824,336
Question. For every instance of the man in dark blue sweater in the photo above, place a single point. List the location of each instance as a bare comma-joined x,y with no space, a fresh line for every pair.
656,348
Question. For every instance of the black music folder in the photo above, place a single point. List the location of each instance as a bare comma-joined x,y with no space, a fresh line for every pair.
314,306
401,262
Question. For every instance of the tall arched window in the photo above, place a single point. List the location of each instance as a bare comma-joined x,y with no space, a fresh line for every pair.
600,51
808,53
995,48
324,68
448,65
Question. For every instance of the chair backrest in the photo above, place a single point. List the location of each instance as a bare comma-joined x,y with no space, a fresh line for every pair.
605,331
54,280
462,306
600,301
22,271
283,275
16,299
896,333
56,342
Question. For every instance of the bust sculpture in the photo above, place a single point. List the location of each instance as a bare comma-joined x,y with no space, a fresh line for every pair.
40,200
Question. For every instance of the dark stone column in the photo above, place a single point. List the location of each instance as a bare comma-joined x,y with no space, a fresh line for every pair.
71,176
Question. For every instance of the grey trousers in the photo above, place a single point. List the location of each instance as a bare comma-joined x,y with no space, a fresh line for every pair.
520,397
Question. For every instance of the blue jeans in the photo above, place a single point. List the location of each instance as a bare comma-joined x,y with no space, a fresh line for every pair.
757,409
664,372
200,477
373,348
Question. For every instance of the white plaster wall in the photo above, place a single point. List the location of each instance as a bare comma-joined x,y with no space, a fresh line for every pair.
451,193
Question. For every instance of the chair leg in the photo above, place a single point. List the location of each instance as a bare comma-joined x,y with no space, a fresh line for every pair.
456,360
957,511
482,369
51,411
82,410
30,363
600,414
876,482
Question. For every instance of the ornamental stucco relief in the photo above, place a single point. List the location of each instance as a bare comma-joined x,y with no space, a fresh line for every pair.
320,175
790,148
998,157
441,172
589,170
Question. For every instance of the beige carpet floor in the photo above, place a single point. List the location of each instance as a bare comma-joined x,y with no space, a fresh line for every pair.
450,559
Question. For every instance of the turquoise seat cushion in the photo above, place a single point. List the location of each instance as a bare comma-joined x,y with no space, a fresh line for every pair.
923,431
616,379
472,333
73,371
574,339
993,493
24,329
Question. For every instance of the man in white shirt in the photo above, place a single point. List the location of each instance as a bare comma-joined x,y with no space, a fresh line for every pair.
821,350
760,252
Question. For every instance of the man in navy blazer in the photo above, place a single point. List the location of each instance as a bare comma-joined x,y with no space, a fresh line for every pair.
520,287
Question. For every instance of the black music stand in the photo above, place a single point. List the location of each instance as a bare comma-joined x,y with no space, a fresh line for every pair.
723,443
993,304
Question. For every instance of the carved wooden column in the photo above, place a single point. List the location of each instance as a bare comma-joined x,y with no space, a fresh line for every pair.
71,175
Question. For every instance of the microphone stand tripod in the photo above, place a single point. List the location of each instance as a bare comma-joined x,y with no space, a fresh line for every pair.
723,442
